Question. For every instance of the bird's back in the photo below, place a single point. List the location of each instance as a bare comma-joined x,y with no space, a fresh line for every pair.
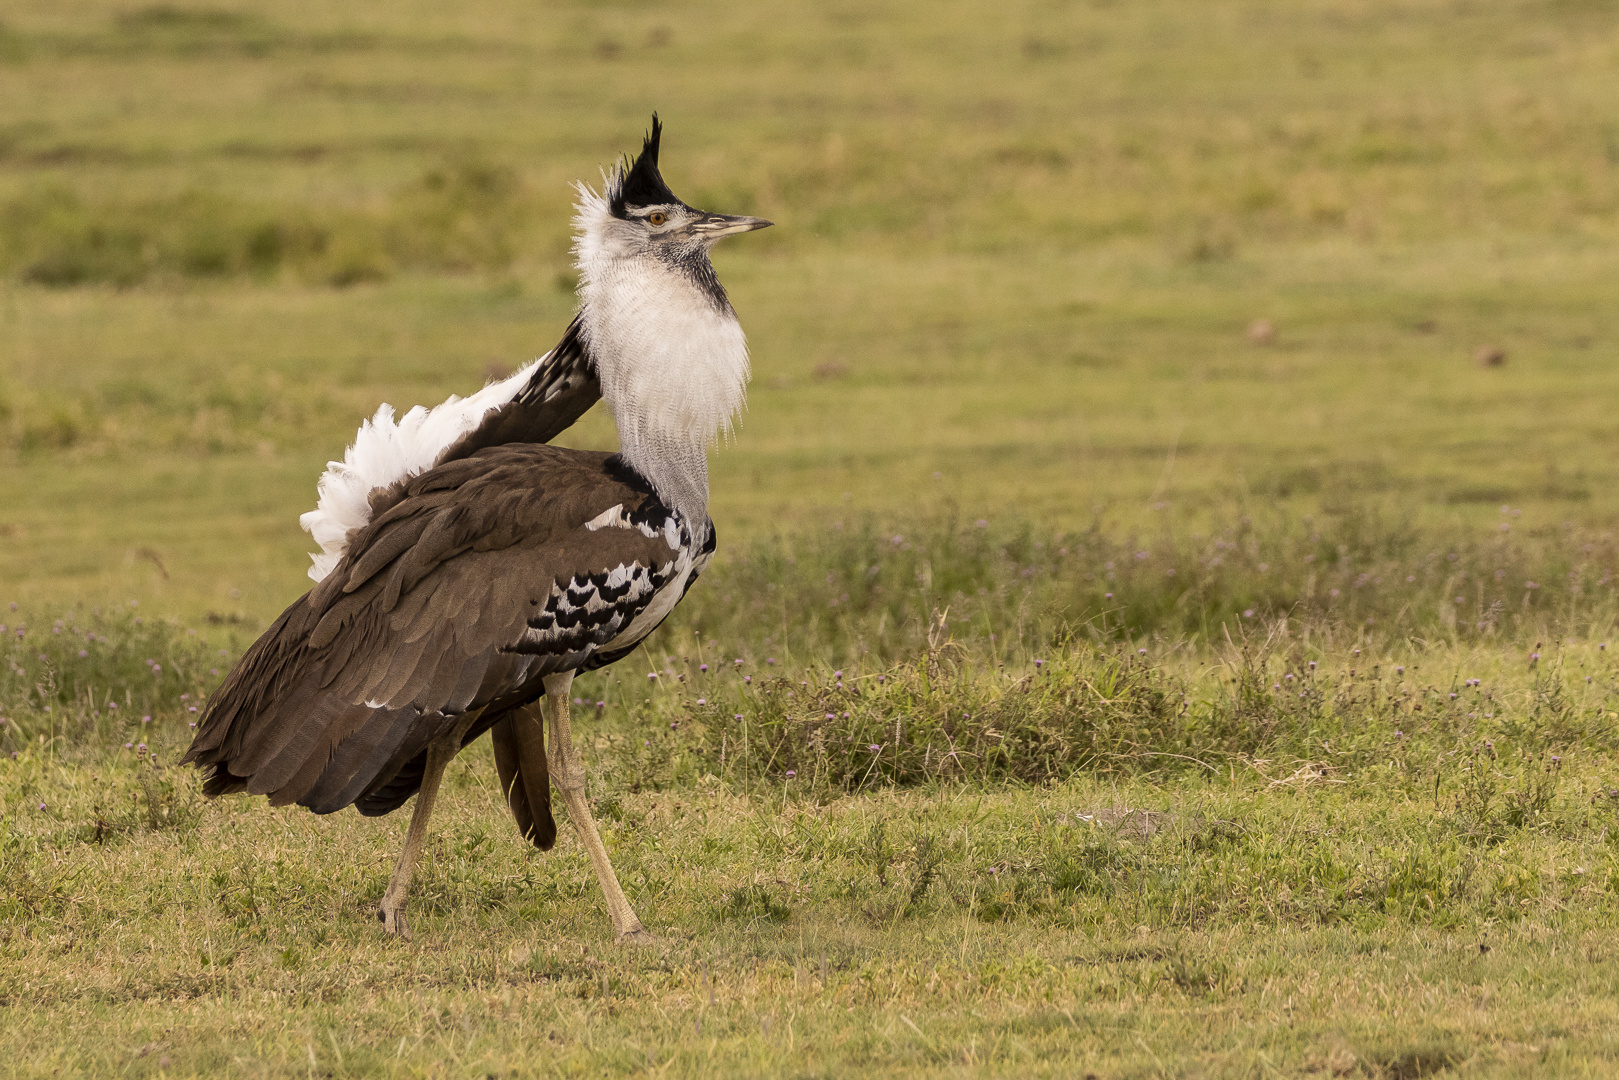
468,585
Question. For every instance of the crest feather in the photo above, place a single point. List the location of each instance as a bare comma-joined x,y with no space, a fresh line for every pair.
640,184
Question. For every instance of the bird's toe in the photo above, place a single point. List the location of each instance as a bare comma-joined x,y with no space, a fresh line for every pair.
393,922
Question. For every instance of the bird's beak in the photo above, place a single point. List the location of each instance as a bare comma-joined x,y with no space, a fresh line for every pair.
714,226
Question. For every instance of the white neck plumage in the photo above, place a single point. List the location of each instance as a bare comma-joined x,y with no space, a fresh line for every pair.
670,355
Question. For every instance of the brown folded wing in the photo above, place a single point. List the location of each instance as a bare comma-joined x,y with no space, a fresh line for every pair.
472,582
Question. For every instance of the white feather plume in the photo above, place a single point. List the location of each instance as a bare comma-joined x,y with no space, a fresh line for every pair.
386,451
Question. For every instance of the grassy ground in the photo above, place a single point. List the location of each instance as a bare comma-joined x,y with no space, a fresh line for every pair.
1384,866
1273,339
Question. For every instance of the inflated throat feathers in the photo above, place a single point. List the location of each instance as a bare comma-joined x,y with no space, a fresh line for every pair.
668,349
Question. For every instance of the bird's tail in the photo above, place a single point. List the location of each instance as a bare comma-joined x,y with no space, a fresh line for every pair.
525,777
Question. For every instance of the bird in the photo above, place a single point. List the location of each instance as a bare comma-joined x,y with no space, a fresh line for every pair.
469,569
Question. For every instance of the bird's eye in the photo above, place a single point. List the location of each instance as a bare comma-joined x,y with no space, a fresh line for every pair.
657,217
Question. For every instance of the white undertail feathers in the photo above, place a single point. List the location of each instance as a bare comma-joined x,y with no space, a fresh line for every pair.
386,451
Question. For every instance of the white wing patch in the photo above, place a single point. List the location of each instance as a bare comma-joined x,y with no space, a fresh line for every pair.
591,609
610,518
613,609
385,452
615,518
675,575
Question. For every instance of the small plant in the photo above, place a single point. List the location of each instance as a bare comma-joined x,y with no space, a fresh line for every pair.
1491,805
169,799
753,903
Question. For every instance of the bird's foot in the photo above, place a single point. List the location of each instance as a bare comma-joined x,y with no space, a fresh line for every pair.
640,935
393,920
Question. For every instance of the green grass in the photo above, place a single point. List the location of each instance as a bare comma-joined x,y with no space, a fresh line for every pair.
1020,258
1398,865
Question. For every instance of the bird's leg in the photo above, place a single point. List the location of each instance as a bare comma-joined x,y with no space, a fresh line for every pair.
439,753
569,777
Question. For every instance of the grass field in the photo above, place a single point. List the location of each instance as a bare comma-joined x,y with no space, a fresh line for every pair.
1277,340
1125,867
1034,280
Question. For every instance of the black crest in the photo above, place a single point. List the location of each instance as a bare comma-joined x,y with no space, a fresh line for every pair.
642,184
